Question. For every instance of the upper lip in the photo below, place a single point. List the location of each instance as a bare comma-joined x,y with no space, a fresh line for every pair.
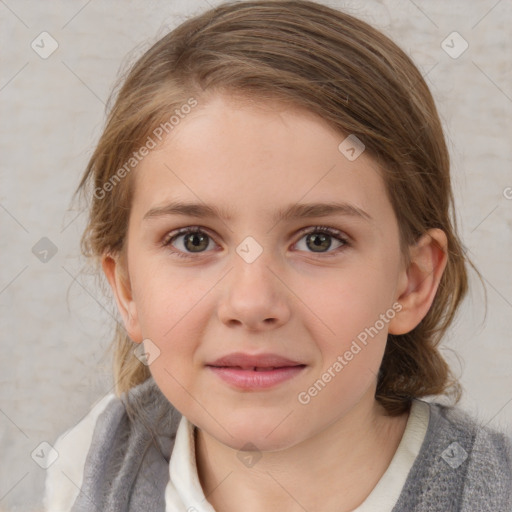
239,359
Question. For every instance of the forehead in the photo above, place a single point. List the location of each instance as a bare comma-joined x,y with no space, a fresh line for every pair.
255,158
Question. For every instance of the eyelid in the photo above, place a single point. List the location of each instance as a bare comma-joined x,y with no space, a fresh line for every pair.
335,233
168,237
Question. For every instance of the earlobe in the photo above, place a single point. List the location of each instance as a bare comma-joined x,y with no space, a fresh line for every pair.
119,282
420,281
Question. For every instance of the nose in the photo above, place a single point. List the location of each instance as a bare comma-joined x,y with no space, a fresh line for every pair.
254,296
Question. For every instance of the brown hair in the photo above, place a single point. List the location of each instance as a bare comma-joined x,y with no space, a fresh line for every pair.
309,56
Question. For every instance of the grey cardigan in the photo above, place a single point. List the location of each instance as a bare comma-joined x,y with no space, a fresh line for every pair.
461,467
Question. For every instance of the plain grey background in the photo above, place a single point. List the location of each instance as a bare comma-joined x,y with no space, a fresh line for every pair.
56,321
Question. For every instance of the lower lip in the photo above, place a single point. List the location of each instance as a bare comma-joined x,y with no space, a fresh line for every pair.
249,379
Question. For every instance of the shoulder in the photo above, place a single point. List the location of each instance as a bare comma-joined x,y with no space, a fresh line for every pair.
487,444
463,465
64,476
485,452
92,452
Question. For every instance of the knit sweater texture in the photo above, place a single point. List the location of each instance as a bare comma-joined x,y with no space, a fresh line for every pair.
462,466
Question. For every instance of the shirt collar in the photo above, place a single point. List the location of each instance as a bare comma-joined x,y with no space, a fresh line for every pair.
184,491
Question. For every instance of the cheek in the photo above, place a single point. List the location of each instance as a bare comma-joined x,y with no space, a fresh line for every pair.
173,314
347,302
165,298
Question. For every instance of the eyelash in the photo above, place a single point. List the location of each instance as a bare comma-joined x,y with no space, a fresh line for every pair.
170,237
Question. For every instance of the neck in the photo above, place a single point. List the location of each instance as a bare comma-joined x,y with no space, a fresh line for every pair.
333,471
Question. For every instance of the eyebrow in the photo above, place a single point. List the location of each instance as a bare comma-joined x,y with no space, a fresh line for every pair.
294,211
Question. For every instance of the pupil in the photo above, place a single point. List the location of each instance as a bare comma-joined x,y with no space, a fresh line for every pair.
196,239
319,240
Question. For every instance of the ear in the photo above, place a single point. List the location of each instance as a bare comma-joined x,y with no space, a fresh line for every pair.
419,282
117,276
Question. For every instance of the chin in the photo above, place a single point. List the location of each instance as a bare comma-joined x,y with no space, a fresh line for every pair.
257,433
257,442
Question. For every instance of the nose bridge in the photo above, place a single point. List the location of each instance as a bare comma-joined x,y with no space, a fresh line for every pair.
254,295
252,274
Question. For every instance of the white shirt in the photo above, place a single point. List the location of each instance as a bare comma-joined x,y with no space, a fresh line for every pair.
184,492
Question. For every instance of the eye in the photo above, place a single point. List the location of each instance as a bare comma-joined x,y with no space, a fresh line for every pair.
319,239
195,240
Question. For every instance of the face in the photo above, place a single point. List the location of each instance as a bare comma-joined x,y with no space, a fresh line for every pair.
306,286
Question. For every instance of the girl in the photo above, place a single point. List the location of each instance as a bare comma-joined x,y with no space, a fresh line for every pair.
272,207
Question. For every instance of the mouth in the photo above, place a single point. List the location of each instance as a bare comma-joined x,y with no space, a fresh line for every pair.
267,373
255,372
254,361
256,368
